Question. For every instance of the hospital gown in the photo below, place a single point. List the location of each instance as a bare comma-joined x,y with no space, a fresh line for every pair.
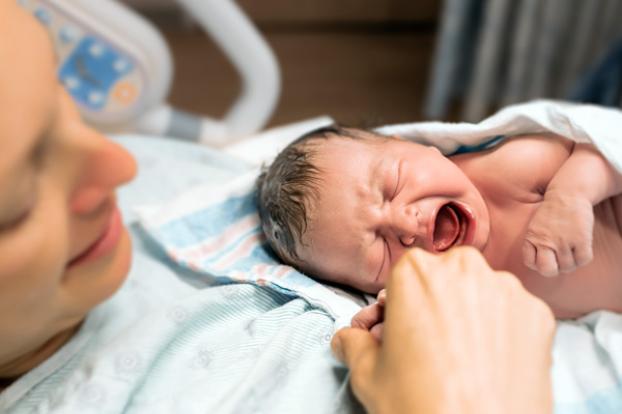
169,342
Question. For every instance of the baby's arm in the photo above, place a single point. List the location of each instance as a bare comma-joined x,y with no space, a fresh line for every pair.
559,236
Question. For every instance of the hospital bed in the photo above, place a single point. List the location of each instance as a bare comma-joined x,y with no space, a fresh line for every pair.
118,68
587,384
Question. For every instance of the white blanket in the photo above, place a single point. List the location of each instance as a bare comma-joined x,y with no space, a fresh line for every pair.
216,233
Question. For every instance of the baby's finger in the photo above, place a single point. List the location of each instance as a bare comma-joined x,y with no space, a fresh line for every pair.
367,317
529,255
546,262
382,297
583,254
566,260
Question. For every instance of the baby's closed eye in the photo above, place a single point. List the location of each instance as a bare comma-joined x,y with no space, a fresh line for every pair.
395,174
380,255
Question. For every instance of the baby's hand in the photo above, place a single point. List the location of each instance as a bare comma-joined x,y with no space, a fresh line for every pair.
559,235
371,317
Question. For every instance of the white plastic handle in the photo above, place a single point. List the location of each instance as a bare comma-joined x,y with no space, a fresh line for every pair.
253,59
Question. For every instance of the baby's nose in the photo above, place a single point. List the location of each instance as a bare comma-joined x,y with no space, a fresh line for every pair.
410,226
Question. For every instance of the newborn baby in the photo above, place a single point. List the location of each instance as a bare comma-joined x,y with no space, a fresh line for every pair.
343,204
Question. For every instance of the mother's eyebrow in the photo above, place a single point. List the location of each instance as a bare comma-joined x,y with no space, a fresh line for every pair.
40,137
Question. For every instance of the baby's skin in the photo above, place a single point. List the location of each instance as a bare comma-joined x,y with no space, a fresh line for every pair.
541,207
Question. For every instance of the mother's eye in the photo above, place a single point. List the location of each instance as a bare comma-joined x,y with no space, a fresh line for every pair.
15,222
23,214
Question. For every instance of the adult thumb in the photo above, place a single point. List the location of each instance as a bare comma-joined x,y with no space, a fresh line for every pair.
356,348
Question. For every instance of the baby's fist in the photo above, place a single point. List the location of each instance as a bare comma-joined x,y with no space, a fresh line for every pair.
559,235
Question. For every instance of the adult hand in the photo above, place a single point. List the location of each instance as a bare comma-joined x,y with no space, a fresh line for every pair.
371,317
458,338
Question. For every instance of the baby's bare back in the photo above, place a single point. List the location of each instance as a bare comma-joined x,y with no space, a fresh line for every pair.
513,179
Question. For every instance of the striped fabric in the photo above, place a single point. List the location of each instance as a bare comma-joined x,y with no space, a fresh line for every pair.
220,237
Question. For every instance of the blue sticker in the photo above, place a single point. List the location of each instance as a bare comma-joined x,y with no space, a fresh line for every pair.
91,71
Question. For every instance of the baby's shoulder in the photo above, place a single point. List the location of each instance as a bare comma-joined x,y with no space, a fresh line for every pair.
527,162
541,147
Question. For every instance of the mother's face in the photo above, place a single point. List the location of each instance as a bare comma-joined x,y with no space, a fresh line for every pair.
62,247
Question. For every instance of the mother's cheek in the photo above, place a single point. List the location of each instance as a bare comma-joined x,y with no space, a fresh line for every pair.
33,256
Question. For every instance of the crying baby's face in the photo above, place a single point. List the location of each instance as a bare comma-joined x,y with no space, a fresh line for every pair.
377,198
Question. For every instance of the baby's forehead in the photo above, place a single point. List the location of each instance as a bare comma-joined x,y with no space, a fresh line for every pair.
364,140
365,147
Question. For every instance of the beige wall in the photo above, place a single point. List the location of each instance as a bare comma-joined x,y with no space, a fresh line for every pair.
321,11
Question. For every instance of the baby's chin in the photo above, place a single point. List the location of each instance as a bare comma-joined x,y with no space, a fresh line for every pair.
362,287
349,284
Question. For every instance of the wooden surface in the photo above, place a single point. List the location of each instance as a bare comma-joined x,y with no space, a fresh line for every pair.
340,10
361,75
305,11
363,62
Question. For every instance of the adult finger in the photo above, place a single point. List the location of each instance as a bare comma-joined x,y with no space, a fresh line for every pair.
377,331
407,292
356,348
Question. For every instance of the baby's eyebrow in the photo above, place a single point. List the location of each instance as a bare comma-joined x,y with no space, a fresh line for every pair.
375,173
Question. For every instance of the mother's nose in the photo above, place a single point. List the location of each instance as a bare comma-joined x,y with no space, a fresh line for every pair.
91,166
104,165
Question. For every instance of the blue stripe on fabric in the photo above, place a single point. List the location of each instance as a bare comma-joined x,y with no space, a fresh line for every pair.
207,223
479,147
257,255
229,247
261,254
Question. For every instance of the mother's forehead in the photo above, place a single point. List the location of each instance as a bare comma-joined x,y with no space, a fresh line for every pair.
28,85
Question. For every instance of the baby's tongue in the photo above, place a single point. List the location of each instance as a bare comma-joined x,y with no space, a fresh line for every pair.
446,228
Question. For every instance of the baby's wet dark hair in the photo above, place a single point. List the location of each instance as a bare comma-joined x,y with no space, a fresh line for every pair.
287,189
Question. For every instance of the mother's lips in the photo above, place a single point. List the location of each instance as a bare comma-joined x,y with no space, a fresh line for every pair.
106,241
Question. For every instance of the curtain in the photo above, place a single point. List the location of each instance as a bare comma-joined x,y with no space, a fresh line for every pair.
492,53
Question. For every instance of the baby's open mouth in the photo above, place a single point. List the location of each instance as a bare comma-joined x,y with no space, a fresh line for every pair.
449,227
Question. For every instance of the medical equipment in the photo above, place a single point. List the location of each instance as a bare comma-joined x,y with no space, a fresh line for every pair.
118,68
